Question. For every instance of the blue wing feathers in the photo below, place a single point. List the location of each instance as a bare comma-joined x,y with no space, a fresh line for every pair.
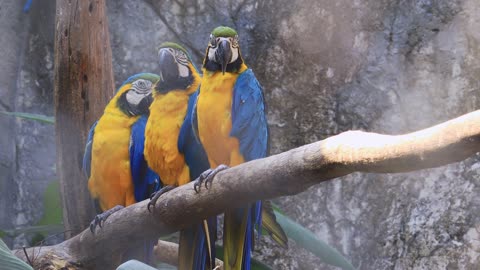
249,123
143,177
87,156
188,143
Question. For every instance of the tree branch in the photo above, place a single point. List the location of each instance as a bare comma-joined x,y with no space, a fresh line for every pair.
167,252
284,174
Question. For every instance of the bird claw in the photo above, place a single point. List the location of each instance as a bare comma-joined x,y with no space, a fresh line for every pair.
100,219
154,197
207,177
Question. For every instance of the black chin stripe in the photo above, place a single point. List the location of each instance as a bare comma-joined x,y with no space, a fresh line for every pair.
232,67
131,109
180,83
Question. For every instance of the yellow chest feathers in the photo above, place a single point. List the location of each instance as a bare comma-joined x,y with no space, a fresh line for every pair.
111,179
167,113
214,118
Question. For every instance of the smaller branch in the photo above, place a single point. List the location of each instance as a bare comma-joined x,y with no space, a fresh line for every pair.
26,255
185,42
167,252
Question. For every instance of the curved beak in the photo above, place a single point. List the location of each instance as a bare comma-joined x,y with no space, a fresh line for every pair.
223,54
168,65
147,100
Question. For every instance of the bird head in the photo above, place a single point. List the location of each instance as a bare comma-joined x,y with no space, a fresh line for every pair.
135,94
223,51
176,69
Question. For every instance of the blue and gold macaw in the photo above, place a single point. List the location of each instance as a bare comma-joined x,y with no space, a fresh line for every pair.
114,161
173,152
233,129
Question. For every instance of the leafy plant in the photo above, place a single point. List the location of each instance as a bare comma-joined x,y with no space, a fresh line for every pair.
309,241
10,261
52,205
31,116
47,229
50,223
134,265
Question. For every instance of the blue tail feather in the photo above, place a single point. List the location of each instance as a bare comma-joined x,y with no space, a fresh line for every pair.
247,249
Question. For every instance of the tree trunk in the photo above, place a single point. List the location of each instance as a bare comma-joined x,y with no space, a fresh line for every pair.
83,84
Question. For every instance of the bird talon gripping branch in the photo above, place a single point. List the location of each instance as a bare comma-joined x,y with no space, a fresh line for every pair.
156,195
100,219
213,173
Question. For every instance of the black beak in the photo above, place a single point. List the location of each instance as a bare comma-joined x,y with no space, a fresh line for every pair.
168,66
145,104
223,54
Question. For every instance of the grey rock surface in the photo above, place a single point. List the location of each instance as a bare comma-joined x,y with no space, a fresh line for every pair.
28,148
326,66
10,17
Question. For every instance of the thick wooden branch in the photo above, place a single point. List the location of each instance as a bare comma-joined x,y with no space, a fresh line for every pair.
284,174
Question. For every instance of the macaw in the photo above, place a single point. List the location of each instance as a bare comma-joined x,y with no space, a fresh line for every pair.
114,161
173,152
233,129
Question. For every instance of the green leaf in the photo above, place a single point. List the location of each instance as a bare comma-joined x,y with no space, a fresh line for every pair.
52,205
276,208
256,265
309,241
10,261
47,229
134,265
2,234
31,116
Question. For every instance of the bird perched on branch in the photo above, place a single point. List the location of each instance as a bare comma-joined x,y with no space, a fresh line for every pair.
233,129
173,152
114,162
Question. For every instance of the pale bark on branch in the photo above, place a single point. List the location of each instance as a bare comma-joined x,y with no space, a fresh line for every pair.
284,174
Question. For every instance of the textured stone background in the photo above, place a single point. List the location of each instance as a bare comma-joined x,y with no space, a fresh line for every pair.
326,66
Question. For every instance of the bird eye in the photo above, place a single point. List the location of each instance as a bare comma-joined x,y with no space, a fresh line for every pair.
235,41
181,57
141,85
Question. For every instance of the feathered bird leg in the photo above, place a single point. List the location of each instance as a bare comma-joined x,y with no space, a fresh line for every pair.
156,195
100,218
207,177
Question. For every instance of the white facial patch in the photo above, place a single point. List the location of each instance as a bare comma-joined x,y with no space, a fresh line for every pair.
211,53
134,97
182,70
234,53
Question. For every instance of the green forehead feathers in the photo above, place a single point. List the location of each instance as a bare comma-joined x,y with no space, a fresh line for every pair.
224,31
172,45
146,76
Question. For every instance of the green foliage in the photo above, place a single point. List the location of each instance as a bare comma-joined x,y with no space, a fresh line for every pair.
37,239
50,223
31,116
309,241
47,229
52,205
10,261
